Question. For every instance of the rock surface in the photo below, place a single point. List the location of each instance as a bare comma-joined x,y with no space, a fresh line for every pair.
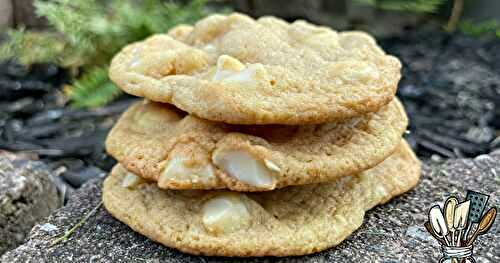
392,232
27,195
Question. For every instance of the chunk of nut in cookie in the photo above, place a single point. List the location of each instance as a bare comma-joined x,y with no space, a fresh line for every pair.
182,169
136,57
230,69
131,180
351,71
225,213
245,168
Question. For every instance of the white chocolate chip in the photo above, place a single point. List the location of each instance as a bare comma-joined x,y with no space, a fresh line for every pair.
131,180
272,166
354,71
136,58
249,74
230,69
245,168
210,48
380,191
368,72
362,72
227,66
178,170
225,213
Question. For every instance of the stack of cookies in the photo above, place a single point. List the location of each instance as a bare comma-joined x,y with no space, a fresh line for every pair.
256,137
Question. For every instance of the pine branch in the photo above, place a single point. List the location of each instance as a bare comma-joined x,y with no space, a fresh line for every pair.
32,47
91,32
93,89
87,33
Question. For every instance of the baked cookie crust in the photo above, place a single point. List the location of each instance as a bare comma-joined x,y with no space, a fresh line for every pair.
296,220
238,70
180,151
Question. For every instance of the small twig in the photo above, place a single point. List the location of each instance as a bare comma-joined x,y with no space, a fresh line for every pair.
69,232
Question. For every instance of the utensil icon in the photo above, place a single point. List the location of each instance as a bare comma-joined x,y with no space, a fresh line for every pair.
460,218
449,214
438,223
484,225
478,203
431,231
443,225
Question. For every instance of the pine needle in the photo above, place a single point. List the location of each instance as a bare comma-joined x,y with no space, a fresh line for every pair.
70,231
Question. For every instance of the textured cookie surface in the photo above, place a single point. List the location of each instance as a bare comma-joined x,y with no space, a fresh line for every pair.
179,151
293,221
238,70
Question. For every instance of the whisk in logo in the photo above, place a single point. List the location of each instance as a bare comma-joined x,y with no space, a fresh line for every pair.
457,225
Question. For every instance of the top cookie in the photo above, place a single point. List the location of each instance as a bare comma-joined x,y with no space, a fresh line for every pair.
238,70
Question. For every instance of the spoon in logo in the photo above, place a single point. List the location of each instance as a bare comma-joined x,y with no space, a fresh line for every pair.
460,219
431,231
438,223
449,211
484,225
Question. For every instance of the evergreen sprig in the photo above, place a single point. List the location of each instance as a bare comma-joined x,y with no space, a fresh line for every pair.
85,34
92,89
30,47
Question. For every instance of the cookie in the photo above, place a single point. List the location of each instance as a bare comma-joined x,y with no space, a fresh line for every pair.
180,151
296,220
238,70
